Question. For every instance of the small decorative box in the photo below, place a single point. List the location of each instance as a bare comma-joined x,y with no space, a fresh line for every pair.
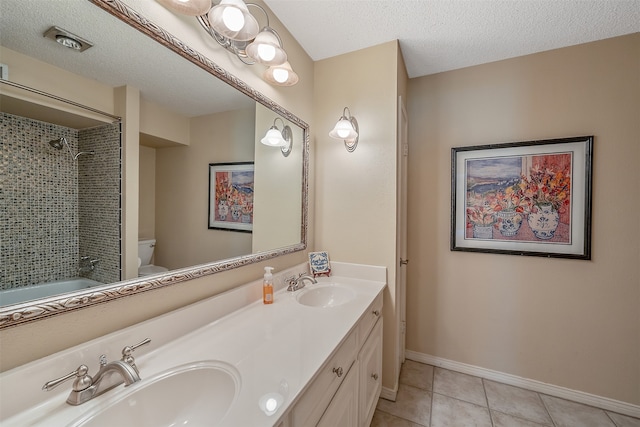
319,263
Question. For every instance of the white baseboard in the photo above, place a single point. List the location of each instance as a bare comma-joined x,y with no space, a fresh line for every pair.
389,394
538,386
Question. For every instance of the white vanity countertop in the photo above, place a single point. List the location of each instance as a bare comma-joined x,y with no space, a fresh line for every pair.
276,348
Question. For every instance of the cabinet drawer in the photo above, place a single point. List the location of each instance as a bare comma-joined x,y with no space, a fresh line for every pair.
316,398
369,318
343,409
370,362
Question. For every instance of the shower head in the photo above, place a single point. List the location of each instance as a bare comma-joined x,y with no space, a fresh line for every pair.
61,142
58,143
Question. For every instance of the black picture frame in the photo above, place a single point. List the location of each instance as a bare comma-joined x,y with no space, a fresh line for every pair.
528,198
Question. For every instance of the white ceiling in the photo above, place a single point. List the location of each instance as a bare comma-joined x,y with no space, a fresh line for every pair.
121,55
435,35
442,35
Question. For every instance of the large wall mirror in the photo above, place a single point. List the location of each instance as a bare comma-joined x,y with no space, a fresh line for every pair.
192,114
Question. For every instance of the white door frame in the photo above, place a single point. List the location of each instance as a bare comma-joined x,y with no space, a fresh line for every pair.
401,241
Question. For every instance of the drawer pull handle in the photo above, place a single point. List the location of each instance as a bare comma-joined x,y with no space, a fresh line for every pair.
338,371
374,376
376,313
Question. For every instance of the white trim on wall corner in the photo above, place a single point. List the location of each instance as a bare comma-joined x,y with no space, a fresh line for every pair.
389,394
538,386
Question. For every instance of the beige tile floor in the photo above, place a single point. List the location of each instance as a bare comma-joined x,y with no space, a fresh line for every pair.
429,396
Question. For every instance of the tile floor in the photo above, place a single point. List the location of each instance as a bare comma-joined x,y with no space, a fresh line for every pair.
429,396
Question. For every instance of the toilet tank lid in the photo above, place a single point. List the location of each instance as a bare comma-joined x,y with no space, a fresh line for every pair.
146,241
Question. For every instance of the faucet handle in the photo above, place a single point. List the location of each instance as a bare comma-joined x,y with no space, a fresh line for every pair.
126,352
81,382
130,348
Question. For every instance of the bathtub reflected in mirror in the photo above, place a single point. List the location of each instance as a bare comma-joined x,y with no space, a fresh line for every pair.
45,290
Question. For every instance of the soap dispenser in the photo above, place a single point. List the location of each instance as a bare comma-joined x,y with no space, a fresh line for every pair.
267,286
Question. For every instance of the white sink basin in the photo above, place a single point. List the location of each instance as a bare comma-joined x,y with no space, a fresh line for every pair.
198,394
325,296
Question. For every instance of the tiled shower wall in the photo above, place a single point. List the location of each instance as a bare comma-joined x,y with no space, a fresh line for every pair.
99,200
39,196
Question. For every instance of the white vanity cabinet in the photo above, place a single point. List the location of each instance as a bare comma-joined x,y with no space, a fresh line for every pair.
370,364
343,409
325,362
346,390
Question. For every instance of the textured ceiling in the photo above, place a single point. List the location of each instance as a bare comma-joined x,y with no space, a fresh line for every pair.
442,35
121,55
435,35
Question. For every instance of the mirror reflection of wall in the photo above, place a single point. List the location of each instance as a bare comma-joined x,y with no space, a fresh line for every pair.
174,185
174,189
278,188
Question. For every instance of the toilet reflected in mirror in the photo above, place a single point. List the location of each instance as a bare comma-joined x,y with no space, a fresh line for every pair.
145,252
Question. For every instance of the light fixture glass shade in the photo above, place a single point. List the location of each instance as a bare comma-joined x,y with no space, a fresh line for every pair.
281,75
232,19
267,49
187,7
343,130
273,138
347,129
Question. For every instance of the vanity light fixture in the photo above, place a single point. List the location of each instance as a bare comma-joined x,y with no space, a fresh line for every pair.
231,19
281,75
187,7
67,39
276,138
266,48
346,129
235,28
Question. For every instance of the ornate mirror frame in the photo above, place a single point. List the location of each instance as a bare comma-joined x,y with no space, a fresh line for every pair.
43,308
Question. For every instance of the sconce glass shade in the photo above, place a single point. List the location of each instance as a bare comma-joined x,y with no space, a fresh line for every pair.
232,19
273,138
281,75
346,129
187,7
267,48
343,130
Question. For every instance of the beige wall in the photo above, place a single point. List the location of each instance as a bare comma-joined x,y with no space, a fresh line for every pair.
182,189
147,196
158,122
277,198
571,323
127,106
31,341
356,192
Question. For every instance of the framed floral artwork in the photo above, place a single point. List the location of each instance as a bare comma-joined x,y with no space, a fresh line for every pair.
231,196
523,198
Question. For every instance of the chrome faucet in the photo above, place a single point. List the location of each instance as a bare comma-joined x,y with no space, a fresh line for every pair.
109,375
87,264
296,283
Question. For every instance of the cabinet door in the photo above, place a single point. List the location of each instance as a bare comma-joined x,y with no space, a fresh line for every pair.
370,359
343,409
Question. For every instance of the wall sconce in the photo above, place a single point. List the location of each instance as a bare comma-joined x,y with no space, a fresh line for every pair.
232,25
276,138
346,129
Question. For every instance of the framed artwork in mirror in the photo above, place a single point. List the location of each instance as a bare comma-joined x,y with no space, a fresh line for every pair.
523,198
231,196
